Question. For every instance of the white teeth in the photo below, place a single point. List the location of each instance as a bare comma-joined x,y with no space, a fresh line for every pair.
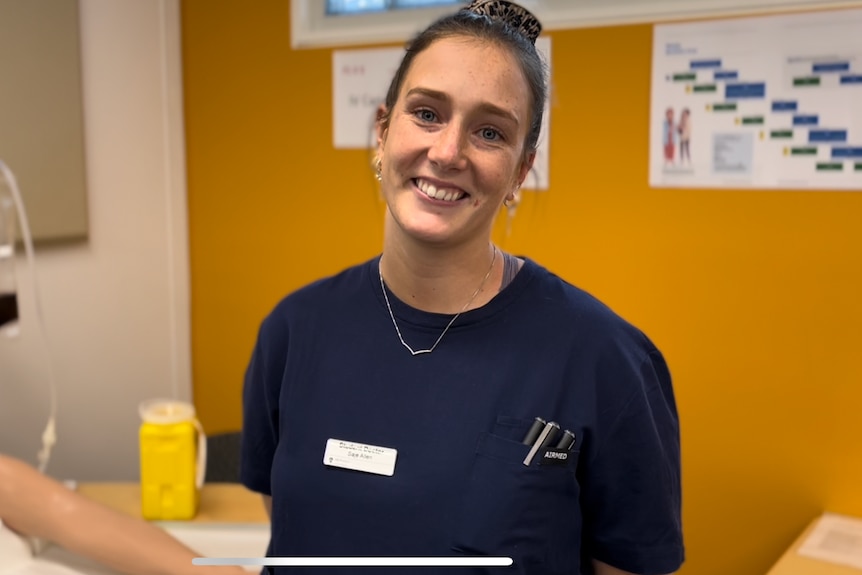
431,191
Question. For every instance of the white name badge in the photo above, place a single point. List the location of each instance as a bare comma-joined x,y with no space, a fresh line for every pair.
360,457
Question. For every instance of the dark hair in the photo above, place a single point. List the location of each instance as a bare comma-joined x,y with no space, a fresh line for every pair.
481,27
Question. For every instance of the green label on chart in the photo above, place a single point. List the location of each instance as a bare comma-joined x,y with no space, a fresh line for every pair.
705,88
830,167
728,107
752,120
685,77
781,134
807,81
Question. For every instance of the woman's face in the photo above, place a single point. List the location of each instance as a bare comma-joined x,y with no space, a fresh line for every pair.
453,148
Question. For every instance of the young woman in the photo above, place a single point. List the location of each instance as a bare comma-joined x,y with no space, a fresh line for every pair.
386,408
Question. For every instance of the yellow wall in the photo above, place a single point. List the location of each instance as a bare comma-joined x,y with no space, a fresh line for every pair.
755,297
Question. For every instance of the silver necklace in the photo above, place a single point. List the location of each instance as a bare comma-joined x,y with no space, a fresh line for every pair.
451,321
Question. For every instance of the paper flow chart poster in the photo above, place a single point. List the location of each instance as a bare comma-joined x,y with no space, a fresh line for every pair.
767,102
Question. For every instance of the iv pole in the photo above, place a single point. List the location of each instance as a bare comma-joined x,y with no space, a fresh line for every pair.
9,324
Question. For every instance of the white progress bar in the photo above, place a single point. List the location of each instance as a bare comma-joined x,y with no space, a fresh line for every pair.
357,561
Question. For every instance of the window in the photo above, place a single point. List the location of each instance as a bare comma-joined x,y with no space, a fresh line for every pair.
316,23
334,7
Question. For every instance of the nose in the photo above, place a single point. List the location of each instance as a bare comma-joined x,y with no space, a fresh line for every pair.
447,149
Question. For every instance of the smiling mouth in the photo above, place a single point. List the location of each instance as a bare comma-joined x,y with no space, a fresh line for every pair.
442,193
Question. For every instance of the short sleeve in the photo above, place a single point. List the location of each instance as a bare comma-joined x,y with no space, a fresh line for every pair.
261,392
631,484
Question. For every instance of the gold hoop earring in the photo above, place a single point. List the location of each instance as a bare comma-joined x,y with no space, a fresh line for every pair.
378,168
511,203
513,199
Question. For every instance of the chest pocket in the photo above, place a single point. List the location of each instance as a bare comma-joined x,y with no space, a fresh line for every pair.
529,513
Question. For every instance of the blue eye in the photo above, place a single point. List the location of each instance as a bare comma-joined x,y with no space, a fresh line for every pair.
426,115
490,134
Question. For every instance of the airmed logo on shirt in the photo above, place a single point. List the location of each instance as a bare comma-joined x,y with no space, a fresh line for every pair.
555,457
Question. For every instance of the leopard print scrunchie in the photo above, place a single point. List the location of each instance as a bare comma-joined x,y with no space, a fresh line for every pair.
517,17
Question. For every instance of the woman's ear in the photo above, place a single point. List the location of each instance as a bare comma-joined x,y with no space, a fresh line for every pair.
381,126
525,168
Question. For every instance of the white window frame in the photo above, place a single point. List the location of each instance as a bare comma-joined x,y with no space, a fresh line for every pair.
311,27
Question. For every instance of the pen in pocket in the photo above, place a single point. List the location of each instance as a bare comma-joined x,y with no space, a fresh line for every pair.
567,440
535,430
549,439
549,429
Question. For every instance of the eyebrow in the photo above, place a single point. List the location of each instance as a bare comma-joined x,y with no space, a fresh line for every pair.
485,107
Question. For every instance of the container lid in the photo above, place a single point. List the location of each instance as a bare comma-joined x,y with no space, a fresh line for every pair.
166,411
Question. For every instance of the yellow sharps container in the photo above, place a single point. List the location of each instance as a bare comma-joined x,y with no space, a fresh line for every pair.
173,459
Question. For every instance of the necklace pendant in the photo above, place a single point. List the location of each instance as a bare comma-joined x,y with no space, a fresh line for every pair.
416,352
